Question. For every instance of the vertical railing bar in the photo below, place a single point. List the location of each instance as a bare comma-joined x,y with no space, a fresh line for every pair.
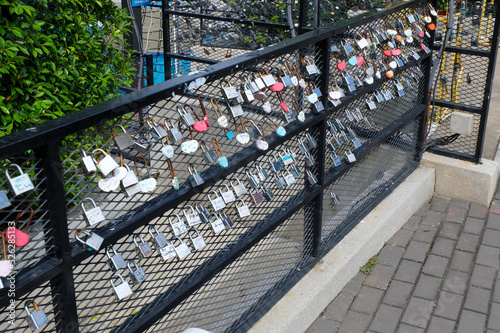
165,16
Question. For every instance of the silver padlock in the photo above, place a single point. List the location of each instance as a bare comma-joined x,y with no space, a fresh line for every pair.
351,158
88,163
235,110
192,216
137,275
261,172
280,182
142,248
311,178
228,194
208,154
266,192
106,164
252,179
226,219
130,184
194,176
217,202
258,82
229,92
115,261
311,143
335,200
186,118
122,141
175,132
93,215
267,78
182,249
286,158
36,319
19,184
242,210
198,241
123,289
216,223
275,163
178,227
4,200
158,131
92,242
203,213
239,188
159,239
167,252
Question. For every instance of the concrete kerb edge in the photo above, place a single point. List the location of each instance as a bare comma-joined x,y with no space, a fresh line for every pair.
300,307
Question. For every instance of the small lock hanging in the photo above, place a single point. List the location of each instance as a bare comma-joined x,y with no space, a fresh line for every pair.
311,178
221,118
301,116
197,241
285,79
229,92
261,172
142,249
235,110
137,275
123,289
223,162
130,183
257,196
241,208
159,239
309,65
371,104
239,188
266,192
194,176
122,141
218,202
173,179
251,84
255,131
175,132
204,111
280,182
216,223
186,118
252,179
311,143
310,161
301,82
226,219
19,184
228,194
267,78
247,93
280,130
16,236
289,177
92,241
157,131
36,319
261,144
142,143
88,163
351,158
229,134
242,137
276,164
293,76
189,146
199,126
182,249
106,165
349,80
148,183
335,200
178,227
208,154
286,158
115,261
93,215
192,216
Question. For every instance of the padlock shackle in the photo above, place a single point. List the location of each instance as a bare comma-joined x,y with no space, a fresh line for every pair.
212,191
113,277
198,207
20,214
218,149
137,169
85,232
151,123
188,206
202,106
176,215
113,130
297,72
113,249
15,166
223,185
95,157
236,202
130,268
152,229
32,302
191,169
195,230
134,238
215,106
83,205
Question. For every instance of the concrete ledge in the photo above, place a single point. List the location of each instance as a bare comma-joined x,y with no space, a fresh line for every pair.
464,180
298,309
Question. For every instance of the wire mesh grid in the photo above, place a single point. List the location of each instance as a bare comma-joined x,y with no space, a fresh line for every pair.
114,204
97,306
14,315
369,180
29,209
231,296
332,12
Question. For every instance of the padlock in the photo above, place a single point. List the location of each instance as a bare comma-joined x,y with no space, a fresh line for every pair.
115,261
261,172
311,178
159,239
123,289
351,158
252,179
258,82
267,78
216,223
227,195
221,120
186,118
242,210
194,176
192,216
208,154
286,159
371,104
289,177
93,241
221,159
182,249
93,215
276,164
158,131
147,182
235,110
122,141
229,92
240,188
142,249
251,85
310,161
19,184
130,184
198,241
335,200
203,212
254,132
279,181
311,143
142,144
4,200
217,202
105,165
88,163
168,251
247,93
38,318
137,275
226,219
175,132
266,192
336,160
285,79
178,227
257,197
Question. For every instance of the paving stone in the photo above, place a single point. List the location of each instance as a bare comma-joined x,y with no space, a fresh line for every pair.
477,299
468,242
471,322
401,238
432,219
441,325
473,225
386,319
456,282
494,318
448,305
443,246
456,214
488,256
380,277
408,271
450,230
416,251
458,203
425,234
483,276
354,322
322,325
496,292
478,211
398,293
339,306
461,261
355,283
367,300
418,312
412,223
435,265
439,204
422,210
427,287
403,328
491,238
390,255
493,221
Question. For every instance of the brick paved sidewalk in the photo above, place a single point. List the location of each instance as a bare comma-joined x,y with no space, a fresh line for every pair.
439,273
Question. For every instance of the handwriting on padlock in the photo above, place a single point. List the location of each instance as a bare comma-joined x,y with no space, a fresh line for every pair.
243,138
147,185
109,184
190,146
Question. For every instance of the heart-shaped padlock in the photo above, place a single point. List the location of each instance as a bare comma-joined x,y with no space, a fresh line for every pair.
167,151
341,66
108,184
389,74
396,52
313,98
278,86
20,238
243,138
360,61
5,268
175,183
387,53
334,94
281,131
261,145
147,185
393,64
301,116
294,80
353,61
190,146
267,107
120,172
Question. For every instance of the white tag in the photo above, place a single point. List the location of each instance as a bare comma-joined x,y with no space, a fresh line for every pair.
199,243
217,225
222,121
182,251
228,196
218,203
179,228
243,211
168,252
193,219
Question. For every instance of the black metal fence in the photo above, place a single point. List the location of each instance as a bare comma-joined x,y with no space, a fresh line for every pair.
328,162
